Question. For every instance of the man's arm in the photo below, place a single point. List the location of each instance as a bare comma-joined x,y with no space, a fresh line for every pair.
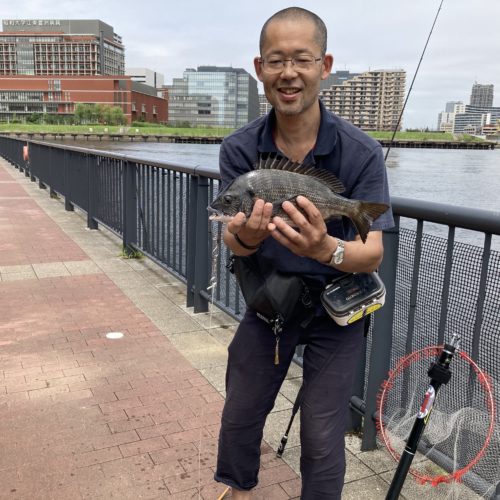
312,240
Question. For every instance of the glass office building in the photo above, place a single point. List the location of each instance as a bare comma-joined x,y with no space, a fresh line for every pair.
213,96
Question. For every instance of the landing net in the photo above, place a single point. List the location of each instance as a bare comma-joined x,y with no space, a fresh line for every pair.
460,447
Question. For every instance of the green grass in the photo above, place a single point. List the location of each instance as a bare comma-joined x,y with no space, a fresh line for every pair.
131,253
154,129
103,129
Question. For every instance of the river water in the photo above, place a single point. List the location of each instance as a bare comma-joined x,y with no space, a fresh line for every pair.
466,178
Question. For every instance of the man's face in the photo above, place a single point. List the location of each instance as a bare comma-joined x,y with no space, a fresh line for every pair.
292,92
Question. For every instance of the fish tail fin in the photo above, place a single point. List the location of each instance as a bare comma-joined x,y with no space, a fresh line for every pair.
365,213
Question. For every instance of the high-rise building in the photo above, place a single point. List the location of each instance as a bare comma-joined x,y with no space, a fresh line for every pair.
49,66
60,47
213,96
481,95
372,100
337,78
264,105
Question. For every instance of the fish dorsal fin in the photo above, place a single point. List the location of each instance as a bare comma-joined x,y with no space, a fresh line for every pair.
282,163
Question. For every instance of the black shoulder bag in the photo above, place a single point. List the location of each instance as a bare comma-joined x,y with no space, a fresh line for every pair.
273,295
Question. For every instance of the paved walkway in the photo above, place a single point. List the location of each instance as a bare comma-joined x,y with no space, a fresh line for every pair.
83,416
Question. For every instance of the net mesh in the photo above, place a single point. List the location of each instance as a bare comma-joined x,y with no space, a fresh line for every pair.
460,447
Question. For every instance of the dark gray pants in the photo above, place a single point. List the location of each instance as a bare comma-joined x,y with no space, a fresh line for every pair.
253,382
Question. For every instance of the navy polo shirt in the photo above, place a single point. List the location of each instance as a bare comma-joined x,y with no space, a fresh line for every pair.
354,157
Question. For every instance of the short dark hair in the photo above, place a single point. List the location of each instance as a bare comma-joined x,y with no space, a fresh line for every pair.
297,13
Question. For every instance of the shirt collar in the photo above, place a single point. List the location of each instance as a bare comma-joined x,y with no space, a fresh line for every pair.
325,142
327,133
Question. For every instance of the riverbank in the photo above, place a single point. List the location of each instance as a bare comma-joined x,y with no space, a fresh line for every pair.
109,137
141,136
206,135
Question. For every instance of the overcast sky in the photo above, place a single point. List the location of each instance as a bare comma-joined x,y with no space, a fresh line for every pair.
170,36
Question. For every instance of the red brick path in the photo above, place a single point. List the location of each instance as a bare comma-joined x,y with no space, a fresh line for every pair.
86,417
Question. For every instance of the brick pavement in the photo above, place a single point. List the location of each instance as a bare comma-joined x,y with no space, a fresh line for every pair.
84,416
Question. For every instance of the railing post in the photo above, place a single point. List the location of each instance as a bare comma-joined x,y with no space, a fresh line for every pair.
68,206
91,181
129,207
31,170
50,176
201,246
380,354
191,239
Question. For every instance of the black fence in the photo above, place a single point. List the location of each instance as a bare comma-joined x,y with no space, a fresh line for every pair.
436,284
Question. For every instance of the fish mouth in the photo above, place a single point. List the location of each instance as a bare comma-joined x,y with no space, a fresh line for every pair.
216,216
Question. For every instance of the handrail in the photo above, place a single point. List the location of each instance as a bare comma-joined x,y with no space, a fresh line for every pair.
475,219
159,208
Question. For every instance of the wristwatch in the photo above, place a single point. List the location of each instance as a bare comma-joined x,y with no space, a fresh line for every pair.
338,254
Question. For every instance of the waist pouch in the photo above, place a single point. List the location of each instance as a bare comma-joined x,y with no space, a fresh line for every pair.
273,295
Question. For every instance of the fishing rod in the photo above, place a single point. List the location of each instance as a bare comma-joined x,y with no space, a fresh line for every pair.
440,374
412,82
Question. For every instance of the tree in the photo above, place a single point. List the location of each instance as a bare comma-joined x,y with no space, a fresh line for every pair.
117,116
99,112
34,118
107,116
79,113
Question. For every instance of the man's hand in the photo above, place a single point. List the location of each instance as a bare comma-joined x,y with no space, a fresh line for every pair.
251,231
311,239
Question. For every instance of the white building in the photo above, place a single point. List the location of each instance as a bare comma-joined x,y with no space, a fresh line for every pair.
147,76
446,119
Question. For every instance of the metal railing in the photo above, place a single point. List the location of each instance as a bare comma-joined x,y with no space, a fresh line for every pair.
159,209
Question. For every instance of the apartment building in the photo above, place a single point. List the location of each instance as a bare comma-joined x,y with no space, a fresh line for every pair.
372,100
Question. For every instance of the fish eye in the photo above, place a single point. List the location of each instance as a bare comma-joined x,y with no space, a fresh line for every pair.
228,198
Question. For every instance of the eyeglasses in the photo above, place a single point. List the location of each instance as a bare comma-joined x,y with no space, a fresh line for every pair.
301,63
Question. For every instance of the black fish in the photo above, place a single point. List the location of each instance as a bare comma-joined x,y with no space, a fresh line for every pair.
277,179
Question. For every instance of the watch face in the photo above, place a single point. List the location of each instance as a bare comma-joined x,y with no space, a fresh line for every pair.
338,255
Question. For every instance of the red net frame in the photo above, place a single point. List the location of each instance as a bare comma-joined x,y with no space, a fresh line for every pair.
484,380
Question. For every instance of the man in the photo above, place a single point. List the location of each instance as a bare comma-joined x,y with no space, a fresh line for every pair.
292,63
